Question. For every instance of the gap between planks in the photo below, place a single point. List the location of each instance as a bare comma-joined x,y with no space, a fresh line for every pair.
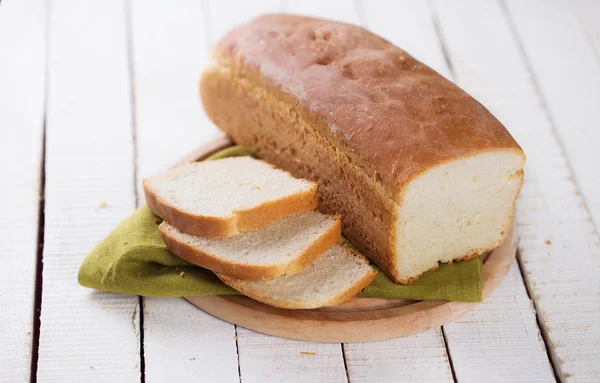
530,294
22,70
37,306
537,318
129,45
37,300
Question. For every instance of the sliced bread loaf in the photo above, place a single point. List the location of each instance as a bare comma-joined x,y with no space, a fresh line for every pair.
220,198
421,172
287,246
334,278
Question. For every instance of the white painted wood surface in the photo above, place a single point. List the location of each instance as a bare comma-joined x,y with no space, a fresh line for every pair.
90,163
22,67
566,69
86,335
419,358
168,50
265,358
559,248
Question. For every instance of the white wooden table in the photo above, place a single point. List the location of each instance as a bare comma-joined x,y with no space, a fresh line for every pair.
97,95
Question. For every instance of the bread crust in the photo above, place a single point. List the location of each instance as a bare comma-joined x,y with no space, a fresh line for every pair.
363,94
266,213
251,219
343,297
250,272
338,105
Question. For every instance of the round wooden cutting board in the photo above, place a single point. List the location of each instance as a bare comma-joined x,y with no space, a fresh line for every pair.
360,320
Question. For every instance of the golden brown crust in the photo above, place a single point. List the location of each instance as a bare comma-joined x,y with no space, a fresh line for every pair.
251,219
344,297
324,243
355,289
363,94
247,271
266,213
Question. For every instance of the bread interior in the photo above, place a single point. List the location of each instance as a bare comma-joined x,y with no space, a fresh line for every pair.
456,210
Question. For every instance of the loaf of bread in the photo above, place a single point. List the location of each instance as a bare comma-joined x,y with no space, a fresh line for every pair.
420,172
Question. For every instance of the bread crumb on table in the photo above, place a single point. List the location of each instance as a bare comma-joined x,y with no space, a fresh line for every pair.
92,367
192,358
548,242
182,274
102,203
307,353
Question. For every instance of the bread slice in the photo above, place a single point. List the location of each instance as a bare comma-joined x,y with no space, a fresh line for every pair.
287,246
332,279
220,198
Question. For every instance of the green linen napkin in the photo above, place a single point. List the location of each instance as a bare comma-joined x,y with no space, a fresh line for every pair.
133,259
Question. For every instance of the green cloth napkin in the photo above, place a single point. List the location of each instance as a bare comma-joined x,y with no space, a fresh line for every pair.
133,259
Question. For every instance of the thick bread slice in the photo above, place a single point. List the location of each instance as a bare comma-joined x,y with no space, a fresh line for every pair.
287,246
217,199
332,279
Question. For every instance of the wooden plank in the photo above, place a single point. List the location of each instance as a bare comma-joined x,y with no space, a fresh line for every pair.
500,341
22,64
225,15
267,358
559,249
418,358
86,335
182,344
168,50
566,69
